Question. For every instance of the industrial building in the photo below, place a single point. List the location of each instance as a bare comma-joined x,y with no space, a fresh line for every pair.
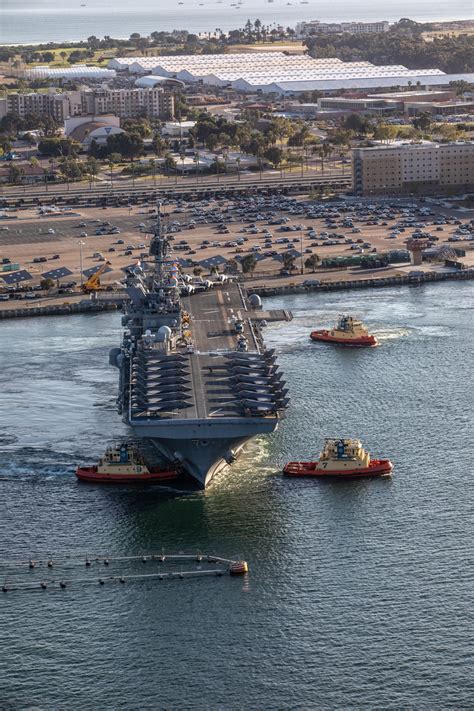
410,103
281,74
414,168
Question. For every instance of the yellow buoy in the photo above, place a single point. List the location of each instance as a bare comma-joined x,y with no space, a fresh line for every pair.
238,567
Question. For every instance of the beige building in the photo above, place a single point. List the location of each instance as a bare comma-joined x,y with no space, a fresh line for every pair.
133,103
124,103
413,168
304,29
57,105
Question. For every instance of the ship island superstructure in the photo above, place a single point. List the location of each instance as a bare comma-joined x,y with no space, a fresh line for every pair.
196,381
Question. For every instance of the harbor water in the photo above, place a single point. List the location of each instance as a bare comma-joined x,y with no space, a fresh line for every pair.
359,593
25,21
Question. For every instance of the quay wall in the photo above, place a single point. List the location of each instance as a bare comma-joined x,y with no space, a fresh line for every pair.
112,304
429,277
58,310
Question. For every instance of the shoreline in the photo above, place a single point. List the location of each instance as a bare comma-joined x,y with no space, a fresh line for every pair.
90,306
61,42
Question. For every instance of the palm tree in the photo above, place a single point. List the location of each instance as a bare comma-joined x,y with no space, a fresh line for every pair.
196,161
237,162
152,164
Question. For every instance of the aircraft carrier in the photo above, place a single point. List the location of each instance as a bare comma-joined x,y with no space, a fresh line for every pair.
195,379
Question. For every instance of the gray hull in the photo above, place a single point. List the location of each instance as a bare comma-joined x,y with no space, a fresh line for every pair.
202,463
202,458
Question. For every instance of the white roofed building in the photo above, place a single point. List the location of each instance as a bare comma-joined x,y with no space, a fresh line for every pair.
279,73
76,71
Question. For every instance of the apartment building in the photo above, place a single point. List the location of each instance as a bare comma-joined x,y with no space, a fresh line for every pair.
124,103
57,105
132,103
414,168
303,29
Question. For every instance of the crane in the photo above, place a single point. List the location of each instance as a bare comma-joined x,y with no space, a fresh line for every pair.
93,282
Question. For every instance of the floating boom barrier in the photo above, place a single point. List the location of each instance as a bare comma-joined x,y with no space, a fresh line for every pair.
10,568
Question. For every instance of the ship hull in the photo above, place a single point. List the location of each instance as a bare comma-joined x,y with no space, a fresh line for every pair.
202,464
202,458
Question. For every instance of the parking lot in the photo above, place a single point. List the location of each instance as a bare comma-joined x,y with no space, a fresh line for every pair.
207,234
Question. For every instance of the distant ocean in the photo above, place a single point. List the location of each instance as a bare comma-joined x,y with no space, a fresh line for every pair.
23,21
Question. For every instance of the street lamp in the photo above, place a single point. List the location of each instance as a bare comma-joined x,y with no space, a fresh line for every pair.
81,244
301,249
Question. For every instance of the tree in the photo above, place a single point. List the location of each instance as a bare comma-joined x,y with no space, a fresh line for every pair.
158,144
15,174
461,86
385,133
58,147
169,163
212,142
47,284
71,168
288,261
357,123
141,127
423,122
248,263
129,145
231,266
312,262
197,271
449,132
274,155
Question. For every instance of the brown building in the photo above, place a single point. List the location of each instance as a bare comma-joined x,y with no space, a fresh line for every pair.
414,168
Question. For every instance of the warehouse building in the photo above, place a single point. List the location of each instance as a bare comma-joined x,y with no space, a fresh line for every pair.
281,74
76,71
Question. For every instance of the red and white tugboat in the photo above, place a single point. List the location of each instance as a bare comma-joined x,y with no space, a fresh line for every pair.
348,331
341,458
123,464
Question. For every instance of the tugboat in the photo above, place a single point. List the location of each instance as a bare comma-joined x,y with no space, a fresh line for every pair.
341,458
348,331
123,464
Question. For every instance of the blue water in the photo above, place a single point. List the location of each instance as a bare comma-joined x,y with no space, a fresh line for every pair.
359,593
24,21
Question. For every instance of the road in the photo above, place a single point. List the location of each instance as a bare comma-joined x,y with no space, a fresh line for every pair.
180,185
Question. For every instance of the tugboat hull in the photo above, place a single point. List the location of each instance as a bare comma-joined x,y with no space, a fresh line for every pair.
154,476
362,341
377,467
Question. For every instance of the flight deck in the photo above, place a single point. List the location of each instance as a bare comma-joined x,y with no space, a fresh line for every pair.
210,379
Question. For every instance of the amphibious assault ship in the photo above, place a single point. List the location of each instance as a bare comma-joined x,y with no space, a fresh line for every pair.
195,379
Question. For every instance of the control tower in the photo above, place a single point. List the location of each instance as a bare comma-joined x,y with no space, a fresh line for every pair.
416,245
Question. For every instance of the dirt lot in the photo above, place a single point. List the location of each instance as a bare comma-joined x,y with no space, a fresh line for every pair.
31,236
